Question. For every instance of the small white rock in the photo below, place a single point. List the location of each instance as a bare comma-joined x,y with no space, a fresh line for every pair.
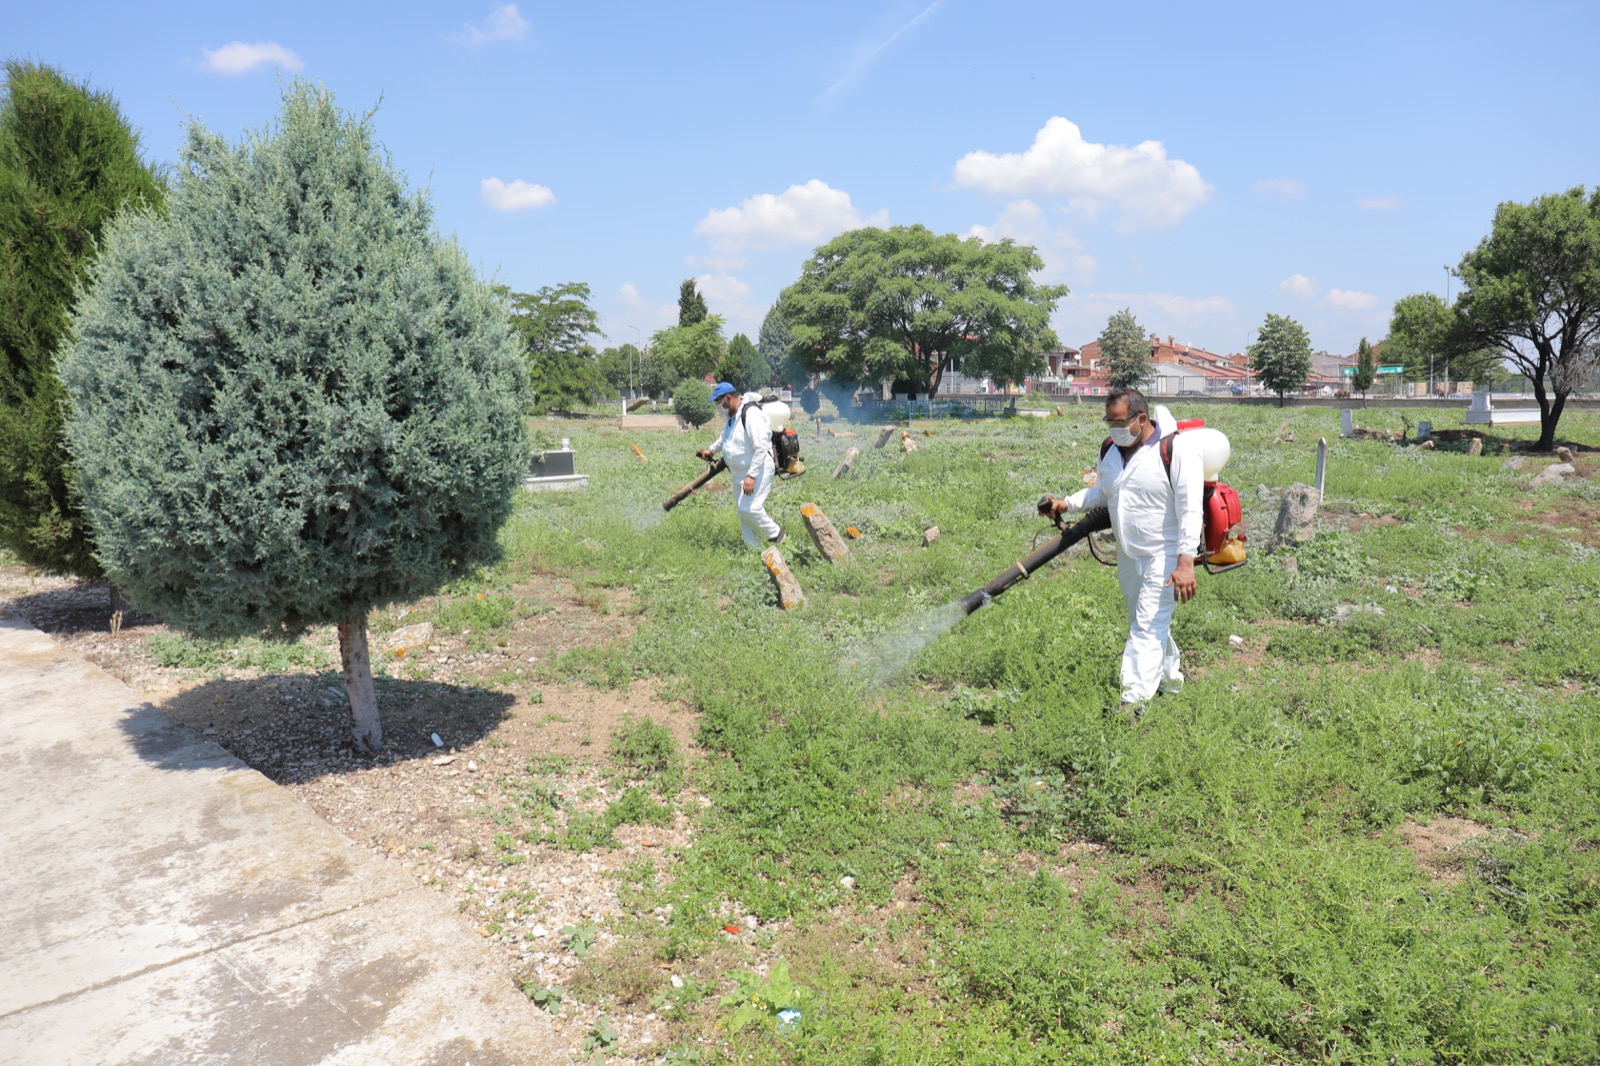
1235,641
444,760
438,742
677,982
472,766
847,881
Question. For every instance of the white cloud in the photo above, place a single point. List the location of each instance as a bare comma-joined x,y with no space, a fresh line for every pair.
505,23
1378,203
1026,223
639,313
1287,188
722,289
1149,189
238,57
800,215
519,195
1299,285
1346,300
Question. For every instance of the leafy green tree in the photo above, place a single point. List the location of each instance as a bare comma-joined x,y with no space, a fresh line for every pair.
689,351
1366,369
1281,355
68,164
1419,334
691,399
1426,336
291,401
775,342
906,304
1125,347
620,367
655,376
692,308
1531,290
744,366
555,324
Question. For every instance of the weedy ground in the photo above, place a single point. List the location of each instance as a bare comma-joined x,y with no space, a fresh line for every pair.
1369,831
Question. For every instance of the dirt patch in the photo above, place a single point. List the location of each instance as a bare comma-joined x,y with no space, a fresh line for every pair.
486,815
1361,520
1433,844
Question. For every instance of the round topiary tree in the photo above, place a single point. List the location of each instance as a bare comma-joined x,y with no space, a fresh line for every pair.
692,402
290,400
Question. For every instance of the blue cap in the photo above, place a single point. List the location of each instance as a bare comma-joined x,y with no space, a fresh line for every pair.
722,389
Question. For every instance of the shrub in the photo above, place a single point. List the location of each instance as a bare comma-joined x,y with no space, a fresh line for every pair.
692,400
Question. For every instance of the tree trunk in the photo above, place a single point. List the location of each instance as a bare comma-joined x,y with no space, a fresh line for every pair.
119,606
366,727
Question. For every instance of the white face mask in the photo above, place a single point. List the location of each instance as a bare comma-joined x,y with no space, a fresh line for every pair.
1122,436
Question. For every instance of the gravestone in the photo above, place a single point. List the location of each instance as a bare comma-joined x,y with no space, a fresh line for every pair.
823,535
1297,517
1347,423
790,595
554,470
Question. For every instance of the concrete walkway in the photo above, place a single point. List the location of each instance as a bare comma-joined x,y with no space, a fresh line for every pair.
162,903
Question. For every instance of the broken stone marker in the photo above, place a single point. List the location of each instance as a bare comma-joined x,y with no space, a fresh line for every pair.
1552,475
823,535
408,640
907,445
790,595
930,535
849,459
883,438
1297,516
1564,453
1475,448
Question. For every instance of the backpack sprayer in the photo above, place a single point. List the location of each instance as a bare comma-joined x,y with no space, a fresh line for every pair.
1221,547
785,446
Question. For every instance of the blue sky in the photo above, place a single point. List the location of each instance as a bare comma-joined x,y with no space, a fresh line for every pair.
1203,164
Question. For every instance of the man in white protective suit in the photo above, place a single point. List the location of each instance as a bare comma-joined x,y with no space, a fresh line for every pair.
746,446
1156,519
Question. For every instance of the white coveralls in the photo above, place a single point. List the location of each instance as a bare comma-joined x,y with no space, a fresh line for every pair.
746,446
1155,520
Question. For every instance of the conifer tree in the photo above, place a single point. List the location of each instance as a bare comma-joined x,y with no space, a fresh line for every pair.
1366,368
291,401
691,305
68,163
1125,347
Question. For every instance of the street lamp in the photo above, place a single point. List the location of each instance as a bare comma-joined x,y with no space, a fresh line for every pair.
638,342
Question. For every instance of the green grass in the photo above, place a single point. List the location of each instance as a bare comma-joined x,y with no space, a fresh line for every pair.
1227,880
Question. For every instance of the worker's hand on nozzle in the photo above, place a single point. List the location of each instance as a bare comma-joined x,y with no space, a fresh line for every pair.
703,453
1051,507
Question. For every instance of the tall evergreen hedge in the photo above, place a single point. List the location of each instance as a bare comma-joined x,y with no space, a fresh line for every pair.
68,163
291,401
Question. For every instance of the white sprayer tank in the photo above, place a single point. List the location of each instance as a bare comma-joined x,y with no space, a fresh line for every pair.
1212,447
777,413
